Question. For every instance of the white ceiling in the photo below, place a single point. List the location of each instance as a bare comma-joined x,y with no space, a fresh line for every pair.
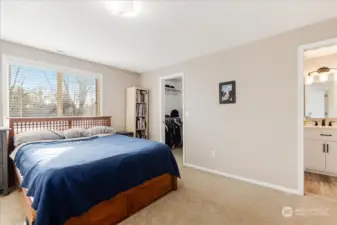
166,32
319,52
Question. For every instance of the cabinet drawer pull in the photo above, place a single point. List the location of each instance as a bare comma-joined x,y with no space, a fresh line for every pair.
327,148
324,148
326,135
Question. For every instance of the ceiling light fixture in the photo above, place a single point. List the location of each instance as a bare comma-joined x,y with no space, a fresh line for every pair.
125,8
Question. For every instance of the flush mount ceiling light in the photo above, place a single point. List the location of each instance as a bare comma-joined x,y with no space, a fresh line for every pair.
322,72
126,8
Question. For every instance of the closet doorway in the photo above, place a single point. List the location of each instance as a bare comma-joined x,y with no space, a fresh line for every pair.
172,114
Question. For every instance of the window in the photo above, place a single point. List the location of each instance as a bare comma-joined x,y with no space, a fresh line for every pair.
40,92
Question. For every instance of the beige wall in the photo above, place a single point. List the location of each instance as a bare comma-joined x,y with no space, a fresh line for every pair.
115,81
255,138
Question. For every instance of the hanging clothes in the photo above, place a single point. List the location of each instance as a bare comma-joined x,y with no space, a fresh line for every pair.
173,127
174,113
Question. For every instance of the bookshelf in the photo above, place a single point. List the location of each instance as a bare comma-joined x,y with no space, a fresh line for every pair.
137,112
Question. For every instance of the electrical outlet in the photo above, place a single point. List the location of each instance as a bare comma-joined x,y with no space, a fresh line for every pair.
213,153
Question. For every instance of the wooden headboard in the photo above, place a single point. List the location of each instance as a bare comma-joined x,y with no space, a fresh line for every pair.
19,125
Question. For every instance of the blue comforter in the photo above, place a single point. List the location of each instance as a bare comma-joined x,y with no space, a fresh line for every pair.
67,178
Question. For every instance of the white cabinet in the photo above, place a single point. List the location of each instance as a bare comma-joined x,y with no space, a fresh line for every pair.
320,150
314,157
331,157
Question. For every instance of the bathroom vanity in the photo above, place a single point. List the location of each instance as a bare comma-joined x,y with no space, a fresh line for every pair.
320,150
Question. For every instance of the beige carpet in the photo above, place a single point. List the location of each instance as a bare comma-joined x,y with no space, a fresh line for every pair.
208,199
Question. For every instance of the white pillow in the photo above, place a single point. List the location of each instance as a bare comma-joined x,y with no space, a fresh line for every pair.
100,130
40,135
75,133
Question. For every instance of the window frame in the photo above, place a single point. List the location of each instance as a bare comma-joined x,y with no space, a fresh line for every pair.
7,60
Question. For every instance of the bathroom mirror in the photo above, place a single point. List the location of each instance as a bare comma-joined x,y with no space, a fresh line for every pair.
321,99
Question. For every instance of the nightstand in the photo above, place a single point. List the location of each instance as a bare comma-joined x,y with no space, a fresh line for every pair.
3,160
126,133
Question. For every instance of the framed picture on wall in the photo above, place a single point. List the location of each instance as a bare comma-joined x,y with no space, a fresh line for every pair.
227,92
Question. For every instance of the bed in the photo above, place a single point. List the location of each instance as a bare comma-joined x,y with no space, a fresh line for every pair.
130,196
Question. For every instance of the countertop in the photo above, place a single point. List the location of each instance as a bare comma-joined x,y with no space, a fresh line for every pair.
320,127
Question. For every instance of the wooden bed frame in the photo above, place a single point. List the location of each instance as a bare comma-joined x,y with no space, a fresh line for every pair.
108,212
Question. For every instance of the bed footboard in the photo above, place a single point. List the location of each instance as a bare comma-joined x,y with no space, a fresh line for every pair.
127,203
115,210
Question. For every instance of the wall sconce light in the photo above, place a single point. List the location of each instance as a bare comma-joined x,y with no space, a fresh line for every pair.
322,72
309,80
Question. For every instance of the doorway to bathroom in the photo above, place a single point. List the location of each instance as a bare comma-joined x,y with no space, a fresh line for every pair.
172,114
318,129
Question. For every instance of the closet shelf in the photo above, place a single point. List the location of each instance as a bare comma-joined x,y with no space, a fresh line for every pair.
172,90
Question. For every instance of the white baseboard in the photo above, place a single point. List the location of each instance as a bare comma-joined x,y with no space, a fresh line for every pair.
252,181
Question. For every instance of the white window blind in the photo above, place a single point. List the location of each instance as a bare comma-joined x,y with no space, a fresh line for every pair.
41,92
80,95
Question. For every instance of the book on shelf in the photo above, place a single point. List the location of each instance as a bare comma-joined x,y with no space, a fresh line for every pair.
141,96
141,124
141,110
141,134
